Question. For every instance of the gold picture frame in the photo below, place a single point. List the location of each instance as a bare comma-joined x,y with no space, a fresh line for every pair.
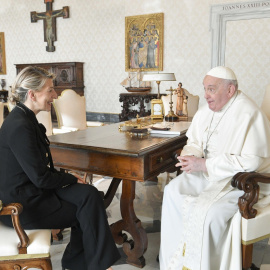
2,54
144,42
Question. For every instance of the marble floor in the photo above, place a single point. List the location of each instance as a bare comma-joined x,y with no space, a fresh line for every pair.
147,205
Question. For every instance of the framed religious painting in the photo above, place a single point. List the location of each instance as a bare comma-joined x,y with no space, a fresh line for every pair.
144,42
2,54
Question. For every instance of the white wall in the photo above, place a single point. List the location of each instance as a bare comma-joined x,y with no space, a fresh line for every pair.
95,34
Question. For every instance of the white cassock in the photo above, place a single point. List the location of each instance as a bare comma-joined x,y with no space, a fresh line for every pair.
200,227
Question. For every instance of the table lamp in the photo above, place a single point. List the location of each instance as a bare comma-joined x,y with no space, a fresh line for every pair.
158,77
156,104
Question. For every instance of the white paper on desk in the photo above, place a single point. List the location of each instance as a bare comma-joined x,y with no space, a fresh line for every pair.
176,128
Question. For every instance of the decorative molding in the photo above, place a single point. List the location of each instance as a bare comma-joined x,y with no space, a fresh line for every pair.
220,14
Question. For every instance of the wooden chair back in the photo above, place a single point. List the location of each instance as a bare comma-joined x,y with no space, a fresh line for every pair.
21,249
70,110
45,118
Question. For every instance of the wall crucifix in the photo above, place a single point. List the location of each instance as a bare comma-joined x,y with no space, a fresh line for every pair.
49,22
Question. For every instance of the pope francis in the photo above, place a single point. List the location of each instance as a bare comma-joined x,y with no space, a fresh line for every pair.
200,227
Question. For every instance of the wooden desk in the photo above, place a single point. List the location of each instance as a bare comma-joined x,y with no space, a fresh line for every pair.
107,151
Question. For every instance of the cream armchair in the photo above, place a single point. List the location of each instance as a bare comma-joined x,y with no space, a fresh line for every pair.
255,220
192,103
71,111
45,118
21,249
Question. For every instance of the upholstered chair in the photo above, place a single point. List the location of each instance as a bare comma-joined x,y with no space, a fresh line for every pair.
70,111
21,249
192,103
255,219
45,118
1,113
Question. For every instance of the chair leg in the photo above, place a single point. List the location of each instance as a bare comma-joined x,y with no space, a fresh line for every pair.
47,264
247,256
57,234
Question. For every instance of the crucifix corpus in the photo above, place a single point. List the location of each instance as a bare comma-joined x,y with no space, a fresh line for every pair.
49,22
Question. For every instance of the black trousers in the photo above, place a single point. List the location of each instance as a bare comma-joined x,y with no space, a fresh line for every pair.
91,245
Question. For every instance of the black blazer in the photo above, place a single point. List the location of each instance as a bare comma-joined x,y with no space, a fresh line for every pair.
27,175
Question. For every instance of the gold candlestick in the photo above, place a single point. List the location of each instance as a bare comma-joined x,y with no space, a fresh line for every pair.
171,116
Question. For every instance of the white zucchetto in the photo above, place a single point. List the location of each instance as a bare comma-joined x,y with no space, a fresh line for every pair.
222,72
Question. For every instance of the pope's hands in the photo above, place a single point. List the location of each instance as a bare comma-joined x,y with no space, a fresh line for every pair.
191,164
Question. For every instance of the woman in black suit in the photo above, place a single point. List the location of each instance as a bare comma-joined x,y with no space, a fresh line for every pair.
50,199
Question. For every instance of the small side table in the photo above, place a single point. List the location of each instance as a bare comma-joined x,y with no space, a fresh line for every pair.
132,99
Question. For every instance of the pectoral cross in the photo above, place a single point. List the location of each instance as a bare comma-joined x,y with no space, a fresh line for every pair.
49,22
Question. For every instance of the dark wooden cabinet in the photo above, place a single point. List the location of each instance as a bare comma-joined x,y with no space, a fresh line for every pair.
133,99
69,75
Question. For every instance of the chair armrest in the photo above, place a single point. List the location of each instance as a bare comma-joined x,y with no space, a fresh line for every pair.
248,182
13,210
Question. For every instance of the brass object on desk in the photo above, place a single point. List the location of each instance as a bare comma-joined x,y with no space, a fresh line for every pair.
139,132
171,116
157,109
138,123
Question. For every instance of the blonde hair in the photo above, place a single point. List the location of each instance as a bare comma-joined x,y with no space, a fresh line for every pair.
32,78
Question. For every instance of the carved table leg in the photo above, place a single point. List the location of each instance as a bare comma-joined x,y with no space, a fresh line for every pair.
111,191
134,249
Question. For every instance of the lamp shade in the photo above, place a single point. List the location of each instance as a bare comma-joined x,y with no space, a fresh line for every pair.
159,77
